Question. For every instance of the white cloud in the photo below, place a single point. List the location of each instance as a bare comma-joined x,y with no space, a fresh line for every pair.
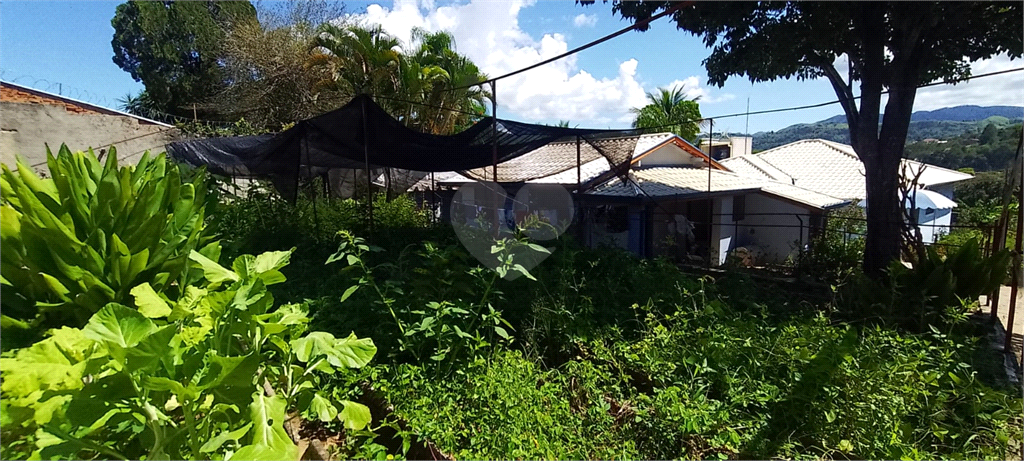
488,33
693,90
585,20
998,90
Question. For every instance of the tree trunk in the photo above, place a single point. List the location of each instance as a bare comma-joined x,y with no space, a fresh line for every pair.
884,216
883,174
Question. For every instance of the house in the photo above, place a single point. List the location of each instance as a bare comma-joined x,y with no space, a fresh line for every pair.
834,169
670,200
33,119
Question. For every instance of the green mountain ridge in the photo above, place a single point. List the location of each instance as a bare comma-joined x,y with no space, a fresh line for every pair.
924,125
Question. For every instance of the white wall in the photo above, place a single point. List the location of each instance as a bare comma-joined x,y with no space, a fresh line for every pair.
934,225
26,127
722,229
669,155
774,236
945,189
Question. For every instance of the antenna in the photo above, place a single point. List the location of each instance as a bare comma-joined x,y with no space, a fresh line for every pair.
746,129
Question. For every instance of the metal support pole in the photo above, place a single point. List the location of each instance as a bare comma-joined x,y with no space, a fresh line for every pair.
579,175
1018,260
494,131
366,159
496,222
711,205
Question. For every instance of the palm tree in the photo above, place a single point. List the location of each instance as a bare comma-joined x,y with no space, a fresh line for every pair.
361,60
417,86
669,110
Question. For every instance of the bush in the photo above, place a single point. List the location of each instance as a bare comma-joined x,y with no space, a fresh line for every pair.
92,231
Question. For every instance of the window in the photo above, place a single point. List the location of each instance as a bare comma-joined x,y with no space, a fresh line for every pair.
739,207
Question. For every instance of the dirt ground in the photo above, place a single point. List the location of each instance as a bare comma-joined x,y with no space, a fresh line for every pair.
1004,314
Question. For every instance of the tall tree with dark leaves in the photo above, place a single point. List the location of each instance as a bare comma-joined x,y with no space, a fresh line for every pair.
176,48
889,46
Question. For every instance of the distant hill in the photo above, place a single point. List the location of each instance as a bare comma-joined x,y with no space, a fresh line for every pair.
945,123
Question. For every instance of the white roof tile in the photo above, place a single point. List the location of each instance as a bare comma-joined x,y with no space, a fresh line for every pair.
827,167
675,182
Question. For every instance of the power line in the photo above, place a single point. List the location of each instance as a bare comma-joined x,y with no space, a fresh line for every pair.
573,51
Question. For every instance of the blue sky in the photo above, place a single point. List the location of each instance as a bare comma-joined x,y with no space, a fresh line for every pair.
65,47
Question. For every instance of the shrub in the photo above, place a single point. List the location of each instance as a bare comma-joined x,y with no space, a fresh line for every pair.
92,231
210,376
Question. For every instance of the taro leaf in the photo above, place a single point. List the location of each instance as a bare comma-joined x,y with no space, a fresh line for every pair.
269,439
278,321
150,351
214,273
349,352
218,440
56,363
355,416
119,326
322,408
150,303
157,383
98,398
230,379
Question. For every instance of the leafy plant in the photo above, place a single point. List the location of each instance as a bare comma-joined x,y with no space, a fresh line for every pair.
92,231
216,375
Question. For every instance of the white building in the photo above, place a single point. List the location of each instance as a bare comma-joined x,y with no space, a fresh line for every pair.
834,169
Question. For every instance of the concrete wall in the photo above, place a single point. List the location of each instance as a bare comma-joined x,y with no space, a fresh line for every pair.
935,224
26,126
771,228
722,230
669,155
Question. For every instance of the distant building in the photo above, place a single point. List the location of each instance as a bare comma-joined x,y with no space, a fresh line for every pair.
834,169
30,119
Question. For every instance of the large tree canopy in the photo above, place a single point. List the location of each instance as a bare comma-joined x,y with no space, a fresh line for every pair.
176,48
889,46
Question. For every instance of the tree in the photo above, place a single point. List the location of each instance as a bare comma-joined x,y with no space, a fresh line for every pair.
890,46
176,48
421,85
988,135
669,110
266,65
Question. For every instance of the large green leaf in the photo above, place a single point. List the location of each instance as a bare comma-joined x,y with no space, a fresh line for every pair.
322,408
269,439
350,352
119,326
355,416
150,303
214,273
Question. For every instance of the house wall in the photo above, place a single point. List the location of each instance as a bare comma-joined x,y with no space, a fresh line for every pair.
934,225
30,121
669,155
722,230
772,229
945,189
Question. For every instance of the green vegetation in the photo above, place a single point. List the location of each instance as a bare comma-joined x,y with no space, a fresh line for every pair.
175,49
591,354
211,376
986,147
90,232
669,110
918,131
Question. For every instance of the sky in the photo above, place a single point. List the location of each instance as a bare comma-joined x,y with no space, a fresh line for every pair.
64,47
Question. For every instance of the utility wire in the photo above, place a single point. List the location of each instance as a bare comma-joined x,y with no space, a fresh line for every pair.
573,51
